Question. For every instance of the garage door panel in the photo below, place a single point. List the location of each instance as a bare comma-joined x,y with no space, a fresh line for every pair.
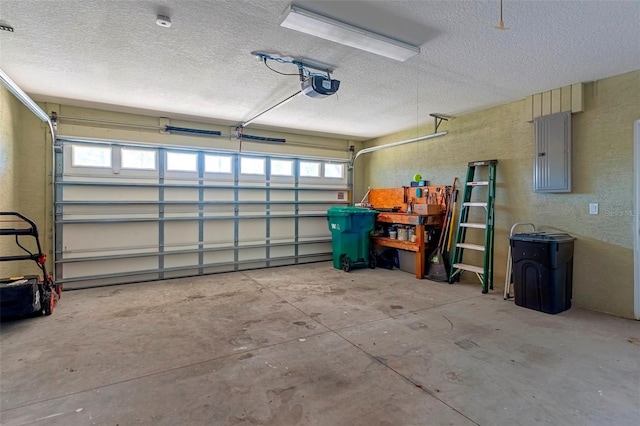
218,194
180,210
251,265
329,196
218,257
282,251
111,280
218,231
282,229
179,178
312,259
181,273
252,195
180,194
320,248
118,216
179,223
280,262
99,237
180,232
252,209
108,210
245,254
282,209
107,193
283,195
107,266
252,231
183,260
313,228
218,210
320,208
219,269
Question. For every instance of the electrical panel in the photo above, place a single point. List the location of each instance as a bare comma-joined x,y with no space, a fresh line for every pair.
552,163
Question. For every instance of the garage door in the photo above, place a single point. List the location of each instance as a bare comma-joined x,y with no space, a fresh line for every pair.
134,212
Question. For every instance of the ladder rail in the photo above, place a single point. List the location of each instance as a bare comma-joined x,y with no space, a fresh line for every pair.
490,235
461,231
486,276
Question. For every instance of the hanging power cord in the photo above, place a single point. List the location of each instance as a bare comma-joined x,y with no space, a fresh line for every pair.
264,61
303,68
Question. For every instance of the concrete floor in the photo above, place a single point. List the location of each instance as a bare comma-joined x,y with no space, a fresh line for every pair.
310,345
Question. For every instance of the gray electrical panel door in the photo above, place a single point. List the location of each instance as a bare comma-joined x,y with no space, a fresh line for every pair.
552,163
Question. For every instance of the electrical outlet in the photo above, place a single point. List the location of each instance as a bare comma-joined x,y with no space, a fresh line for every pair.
593,208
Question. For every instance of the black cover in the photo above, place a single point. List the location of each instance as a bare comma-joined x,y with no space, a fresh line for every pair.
543,271
20,297
319,86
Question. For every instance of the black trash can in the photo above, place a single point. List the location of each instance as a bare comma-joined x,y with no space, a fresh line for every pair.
543,271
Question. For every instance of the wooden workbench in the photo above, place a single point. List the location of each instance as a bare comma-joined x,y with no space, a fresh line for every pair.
419,247
398,197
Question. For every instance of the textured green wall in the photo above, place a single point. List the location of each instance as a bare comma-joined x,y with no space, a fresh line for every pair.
602,173
22,177
9,113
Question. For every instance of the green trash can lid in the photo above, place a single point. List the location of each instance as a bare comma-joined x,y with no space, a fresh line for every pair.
349,210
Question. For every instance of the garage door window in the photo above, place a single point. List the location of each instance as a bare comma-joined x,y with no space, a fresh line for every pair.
252,166
138,159
182,162
333,170
217,164
281,168
91,156
309,169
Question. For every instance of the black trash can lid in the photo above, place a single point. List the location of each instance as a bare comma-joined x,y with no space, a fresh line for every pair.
543,237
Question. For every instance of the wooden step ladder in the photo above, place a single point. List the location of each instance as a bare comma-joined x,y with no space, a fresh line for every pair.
484,272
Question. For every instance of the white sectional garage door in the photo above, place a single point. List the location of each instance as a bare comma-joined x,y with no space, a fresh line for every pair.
133,212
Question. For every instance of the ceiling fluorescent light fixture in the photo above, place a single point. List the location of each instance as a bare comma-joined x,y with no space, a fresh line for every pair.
321,26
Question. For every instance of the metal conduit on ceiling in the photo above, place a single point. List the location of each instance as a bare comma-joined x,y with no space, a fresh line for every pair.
385,146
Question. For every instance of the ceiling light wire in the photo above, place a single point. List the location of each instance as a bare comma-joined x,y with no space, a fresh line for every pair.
417,106
304,68
500,25
264,61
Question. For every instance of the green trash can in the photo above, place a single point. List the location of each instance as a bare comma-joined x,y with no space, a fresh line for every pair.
350,231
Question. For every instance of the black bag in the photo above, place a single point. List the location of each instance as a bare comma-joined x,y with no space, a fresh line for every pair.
388,258
20,296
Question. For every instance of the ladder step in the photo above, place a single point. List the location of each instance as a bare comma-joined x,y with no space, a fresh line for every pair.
472,268
471,246
473,225
479,183
482,163
475,204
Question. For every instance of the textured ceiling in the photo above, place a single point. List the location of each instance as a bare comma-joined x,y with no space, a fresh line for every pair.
112,53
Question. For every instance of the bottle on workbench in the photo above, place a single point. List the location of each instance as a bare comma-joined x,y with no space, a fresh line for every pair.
393,233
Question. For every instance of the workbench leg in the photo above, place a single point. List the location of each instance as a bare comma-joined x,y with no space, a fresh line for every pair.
420,253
